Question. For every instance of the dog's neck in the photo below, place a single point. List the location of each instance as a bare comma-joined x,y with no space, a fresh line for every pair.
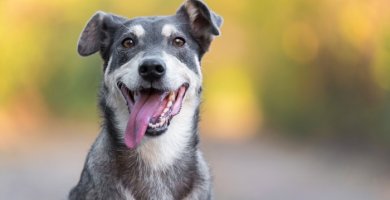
159,152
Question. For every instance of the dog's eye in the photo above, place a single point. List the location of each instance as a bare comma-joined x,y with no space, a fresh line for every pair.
178,42
128,43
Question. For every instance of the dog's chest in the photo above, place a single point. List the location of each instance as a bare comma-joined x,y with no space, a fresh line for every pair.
126,194
162,185
143,182
148,190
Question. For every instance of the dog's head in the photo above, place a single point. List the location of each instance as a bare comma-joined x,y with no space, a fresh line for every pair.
151,65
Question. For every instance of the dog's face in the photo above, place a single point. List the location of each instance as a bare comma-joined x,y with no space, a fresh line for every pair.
152,65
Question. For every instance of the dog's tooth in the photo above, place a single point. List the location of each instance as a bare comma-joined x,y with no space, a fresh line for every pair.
161,124
155,125
169,104
162,120
171,96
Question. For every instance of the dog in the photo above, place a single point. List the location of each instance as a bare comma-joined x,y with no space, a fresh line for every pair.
149,98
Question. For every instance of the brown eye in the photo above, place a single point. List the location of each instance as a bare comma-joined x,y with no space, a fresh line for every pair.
128,43
178,42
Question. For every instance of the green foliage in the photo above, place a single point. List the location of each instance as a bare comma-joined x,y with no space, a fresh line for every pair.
319,67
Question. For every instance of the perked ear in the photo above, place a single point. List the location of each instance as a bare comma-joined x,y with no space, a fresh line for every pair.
97,33
205,24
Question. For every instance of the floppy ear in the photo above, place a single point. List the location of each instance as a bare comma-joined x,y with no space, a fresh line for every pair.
205,24
97,34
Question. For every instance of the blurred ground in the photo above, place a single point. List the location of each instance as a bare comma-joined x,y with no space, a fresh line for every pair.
46,166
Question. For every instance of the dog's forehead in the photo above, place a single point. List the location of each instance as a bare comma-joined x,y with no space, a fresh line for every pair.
156,26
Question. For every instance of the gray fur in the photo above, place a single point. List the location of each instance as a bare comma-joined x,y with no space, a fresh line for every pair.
113,171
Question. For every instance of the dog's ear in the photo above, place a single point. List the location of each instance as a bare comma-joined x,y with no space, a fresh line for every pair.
97,34
205,24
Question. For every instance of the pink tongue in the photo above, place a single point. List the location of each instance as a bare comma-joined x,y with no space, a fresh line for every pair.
140,115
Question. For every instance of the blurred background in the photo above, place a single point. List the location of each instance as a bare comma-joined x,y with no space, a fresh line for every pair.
296,97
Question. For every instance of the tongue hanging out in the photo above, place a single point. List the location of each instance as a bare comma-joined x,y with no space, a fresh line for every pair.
151,110
142,111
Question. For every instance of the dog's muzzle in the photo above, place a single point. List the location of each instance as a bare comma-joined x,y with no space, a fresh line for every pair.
152,69
151,111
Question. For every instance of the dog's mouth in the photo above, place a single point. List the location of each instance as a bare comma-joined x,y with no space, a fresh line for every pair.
151,111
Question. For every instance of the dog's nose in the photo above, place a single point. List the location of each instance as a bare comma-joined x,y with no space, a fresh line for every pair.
151,69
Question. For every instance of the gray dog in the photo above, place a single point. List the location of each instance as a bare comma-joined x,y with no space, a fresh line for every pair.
149,98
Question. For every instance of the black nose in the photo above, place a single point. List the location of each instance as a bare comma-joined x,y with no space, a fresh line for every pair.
151,69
